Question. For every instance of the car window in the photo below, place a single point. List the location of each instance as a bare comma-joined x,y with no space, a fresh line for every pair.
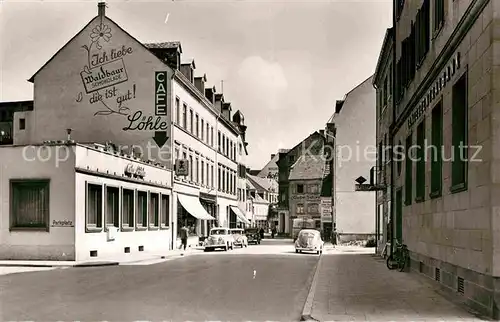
236,232
218,232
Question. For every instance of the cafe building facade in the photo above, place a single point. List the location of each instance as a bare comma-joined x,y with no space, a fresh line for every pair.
106,86
74,202
446,208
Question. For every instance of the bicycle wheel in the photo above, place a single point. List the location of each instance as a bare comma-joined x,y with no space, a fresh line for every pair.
390,262
402,261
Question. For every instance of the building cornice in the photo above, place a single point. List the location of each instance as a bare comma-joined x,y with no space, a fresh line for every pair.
385,54
472,13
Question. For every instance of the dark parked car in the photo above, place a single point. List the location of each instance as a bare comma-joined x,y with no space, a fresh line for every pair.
253,235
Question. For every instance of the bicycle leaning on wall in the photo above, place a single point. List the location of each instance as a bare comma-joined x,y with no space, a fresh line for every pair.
399,258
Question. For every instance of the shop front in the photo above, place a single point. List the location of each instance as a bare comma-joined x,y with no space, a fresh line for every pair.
76,202
192,215
237,218
209,202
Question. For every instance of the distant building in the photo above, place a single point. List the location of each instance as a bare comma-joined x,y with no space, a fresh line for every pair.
7,110
270,170
383,83
301,173
354,120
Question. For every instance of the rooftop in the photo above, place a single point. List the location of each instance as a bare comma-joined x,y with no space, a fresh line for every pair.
308,167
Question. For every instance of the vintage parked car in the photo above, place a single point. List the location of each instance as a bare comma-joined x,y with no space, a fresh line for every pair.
309,240
253,235
219,238
240,239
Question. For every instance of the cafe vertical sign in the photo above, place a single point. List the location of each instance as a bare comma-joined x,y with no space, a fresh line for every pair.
161,102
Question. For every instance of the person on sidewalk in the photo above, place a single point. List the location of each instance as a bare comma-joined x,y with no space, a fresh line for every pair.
184,237
261,231
273,232
334,237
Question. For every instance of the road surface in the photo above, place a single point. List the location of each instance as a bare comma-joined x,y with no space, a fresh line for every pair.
208,286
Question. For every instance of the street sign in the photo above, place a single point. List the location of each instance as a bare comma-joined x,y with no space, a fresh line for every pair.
182,167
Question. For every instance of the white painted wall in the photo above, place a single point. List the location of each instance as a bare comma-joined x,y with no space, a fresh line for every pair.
59,242
355,211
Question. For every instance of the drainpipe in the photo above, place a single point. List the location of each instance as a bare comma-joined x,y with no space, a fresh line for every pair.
391,135
216,166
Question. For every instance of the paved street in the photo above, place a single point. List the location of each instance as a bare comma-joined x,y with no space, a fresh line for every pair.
206,286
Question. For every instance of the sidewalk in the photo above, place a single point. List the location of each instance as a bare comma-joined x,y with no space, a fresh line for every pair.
356,287
14,266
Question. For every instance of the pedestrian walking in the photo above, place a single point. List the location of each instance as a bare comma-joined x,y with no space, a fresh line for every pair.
334,236
184,236
261,231
273,232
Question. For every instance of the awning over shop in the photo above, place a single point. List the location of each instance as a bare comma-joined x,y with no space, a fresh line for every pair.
194,207
240,215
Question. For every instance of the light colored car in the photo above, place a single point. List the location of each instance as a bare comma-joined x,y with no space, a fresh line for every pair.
240,239
219,238
309,240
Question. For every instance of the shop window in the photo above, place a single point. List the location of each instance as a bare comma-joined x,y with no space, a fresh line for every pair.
459,135
177,111
29,207
112,206
300,188
408,171
154,210
128,208
142,209
165,210
420,171
94,207
437,143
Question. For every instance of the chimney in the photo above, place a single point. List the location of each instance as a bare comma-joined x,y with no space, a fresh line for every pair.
219,101
187,69
272,156
199,82
226,110
210,94
101,9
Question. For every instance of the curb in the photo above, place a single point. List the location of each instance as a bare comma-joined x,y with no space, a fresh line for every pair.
307,310
97,264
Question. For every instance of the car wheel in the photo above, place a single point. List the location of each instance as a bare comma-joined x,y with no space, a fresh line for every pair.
232,246
296,250
317,252
226,248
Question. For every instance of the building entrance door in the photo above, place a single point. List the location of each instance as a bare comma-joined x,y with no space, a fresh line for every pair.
327,231
399,215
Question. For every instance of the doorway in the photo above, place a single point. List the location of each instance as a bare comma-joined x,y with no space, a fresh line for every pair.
399,214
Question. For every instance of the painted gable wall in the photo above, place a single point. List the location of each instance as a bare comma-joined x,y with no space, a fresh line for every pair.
62,101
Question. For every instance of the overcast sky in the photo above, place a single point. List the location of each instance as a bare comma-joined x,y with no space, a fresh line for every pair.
284,63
